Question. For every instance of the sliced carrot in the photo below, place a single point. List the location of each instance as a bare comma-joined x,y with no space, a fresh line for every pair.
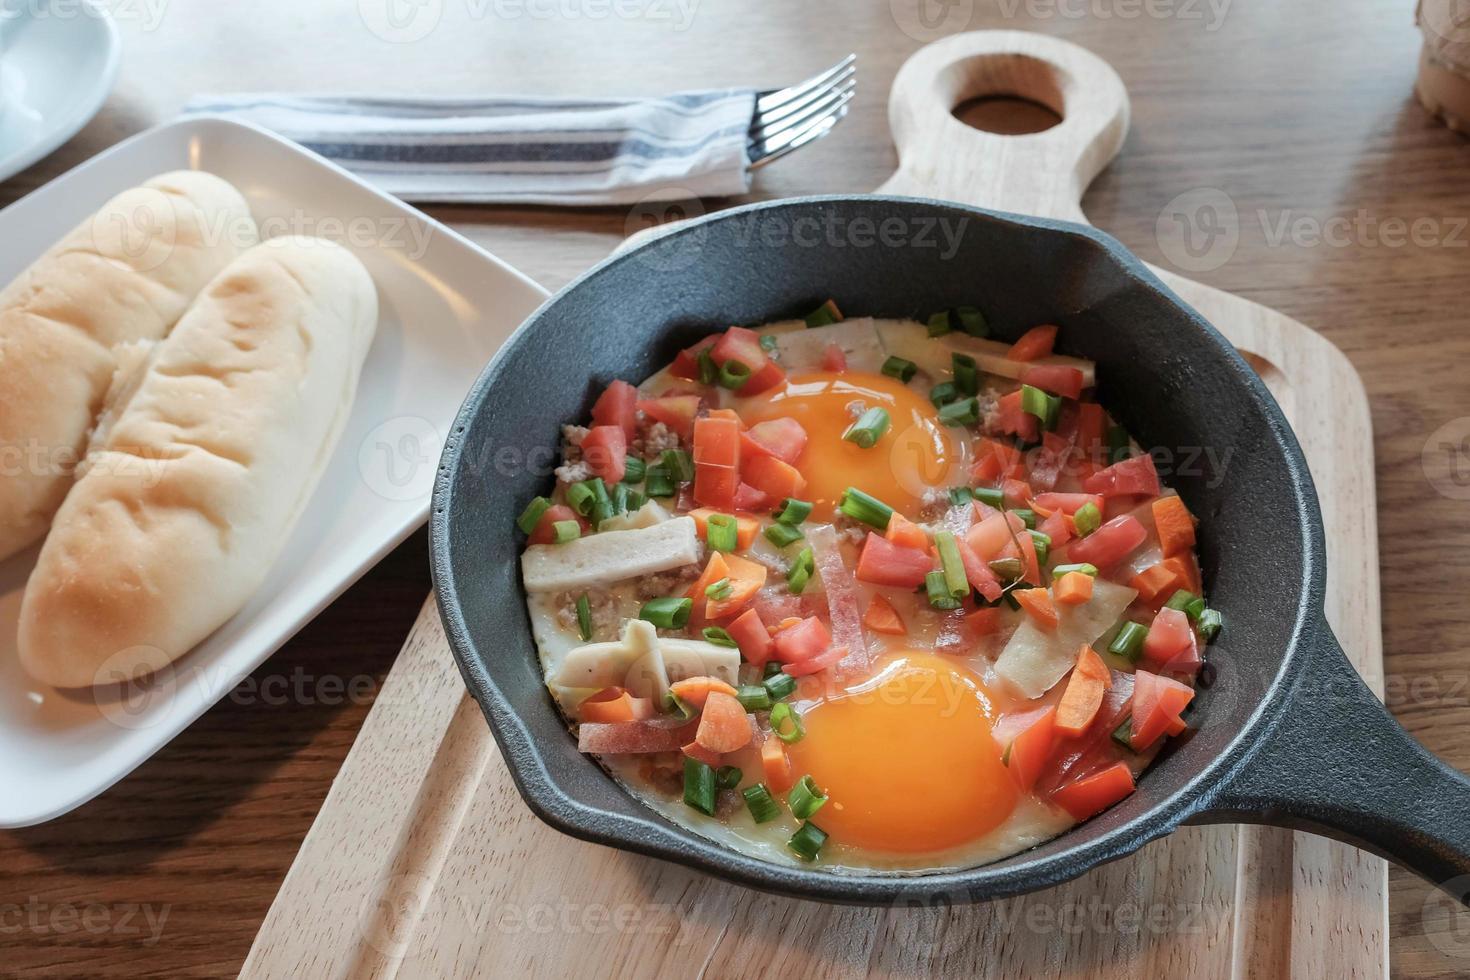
1175,525
1157,583
699,753
746,526
1093,794
881,617
746,578
749,632
1029,751
1188,570
773,477
722,724
1038,603
695,691
905,533
983,621
813,665
834,359
613,704
1084,694
714,570
1073,588
1034,343
775,764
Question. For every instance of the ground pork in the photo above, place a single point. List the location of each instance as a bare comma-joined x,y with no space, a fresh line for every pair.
989,400
653,438
675,581
933,505
849,529
573,468
605,620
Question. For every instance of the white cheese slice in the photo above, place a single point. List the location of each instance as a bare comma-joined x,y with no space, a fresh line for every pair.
645,663
648,515
802,350
1035,659
910,339
611,556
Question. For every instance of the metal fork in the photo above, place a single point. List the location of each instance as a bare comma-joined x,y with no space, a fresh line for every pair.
792,117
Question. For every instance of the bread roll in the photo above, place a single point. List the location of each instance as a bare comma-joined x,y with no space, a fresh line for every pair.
203,468
126,274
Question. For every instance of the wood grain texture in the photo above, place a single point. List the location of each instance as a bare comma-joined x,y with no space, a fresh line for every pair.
1298,113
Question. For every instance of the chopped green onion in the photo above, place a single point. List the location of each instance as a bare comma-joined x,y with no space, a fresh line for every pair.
868,429
939,324
658,484
753,697
719,637
793,511
779,685
1086,568
822,316
636,500
699,786
719,590
584,617
668,612
728,777
1128,644
1028,517
1123,734
900,368
768,342
531,516
1210,622
994,496
1195,610
564,531
602,505
781,535
722,532
972,321
676,706
785,722
805,798
943,393
678,464
771,669
619,495
581,498
1180,600
733,374
1007,569
801,571
807,841
1042,543
1118,444
867,509
1041,404
940,596
1087,519
634,470
959,496
966,373
963,412
953,566
758,801
709,371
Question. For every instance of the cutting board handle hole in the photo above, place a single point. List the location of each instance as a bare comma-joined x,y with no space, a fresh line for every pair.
1006,115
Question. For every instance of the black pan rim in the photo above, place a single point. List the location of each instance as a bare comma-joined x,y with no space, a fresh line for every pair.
653,835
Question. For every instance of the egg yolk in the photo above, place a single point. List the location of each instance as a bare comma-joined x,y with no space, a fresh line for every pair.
906,758
914,454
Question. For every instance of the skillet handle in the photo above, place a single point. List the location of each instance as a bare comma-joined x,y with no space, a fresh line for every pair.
1338,764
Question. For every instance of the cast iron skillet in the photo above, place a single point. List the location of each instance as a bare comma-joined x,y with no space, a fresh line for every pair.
1287,734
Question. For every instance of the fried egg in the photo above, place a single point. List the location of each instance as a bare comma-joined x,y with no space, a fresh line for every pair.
916,453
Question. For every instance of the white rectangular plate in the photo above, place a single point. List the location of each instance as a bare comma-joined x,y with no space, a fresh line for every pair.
446,307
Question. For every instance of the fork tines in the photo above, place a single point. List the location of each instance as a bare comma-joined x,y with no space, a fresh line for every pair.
799,114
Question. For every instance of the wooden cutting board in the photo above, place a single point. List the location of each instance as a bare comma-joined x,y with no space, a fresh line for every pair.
424,861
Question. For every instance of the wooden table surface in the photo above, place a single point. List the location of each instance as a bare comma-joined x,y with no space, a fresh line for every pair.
1351,206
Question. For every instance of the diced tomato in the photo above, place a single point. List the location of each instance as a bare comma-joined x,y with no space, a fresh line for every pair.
699,753
676,411
1186,661
1109,544
1015,493
977,572
543,531
833,359
749,499
1093,794
1058,527
1158,703
1133,476
806,639
884,563
1038,603
722,724
782,438
1031,565
773,477
991,535
983,621
1068,503
1031,746
881,617
716,486
1034,343
812,665
1010,418
905,533
1057,379
1050,460
717,441
743,345
618,405
1168,635
750,634
686,362
605,450
628,737
769,376
1091,424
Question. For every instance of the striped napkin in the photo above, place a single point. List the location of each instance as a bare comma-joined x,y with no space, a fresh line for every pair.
514,149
